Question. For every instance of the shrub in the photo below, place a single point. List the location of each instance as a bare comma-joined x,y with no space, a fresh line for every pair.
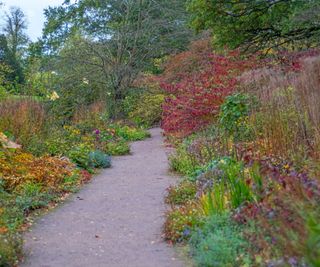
148,111
181,193
98,159
18,168
80,155
117,148
130,133
234,116
195,100
180,221
219,242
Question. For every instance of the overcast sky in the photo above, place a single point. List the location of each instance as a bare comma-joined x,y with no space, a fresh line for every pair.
34,12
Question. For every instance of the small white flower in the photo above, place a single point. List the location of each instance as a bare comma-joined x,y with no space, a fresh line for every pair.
85,81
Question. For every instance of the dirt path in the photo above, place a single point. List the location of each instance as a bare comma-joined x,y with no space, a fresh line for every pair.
115,221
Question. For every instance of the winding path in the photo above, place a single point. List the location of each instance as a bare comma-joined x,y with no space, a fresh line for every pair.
115,221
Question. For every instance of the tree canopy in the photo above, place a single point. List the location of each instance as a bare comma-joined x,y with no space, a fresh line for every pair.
258,24
114,39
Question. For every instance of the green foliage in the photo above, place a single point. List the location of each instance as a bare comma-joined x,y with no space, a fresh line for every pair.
98,159
215,201
117,148
130,133
14,72
181,193
219,242
126,47
148,110
312,252
183,162
238,189
10,249
257,24
31,196
80,156
234,115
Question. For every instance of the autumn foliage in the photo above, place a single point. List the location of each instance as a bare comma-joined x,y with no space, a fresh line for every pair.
195,97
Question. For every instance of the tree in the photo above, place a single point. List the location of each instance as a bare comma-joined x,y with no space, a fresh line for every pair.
13,73
118,38
258,24
14,29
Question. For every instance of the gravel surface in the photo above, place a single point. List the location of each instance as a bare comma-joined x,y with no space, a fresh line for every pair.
116,220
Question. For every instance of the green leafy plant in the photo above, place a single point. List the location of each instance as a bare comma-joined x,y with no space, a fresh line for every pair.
80,155
31,196
130,133
117,148
234,114
312,252
148,110
98,159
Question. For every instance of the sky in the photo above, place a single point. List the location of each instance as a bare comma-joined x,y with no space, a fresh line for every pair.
34,12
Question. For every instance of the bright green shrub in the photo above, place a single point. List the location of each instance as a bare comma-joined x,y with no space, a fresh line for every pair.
148,111
98,159
57,144
234,115
219,243
80,156
117,148
3,92
130,133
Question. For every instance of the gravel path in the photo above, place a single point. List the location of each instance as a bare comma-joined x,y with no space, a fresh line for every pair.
115,221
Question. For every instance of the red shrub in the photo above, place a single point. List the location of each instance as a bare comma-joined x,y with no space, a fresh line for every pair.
195,99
